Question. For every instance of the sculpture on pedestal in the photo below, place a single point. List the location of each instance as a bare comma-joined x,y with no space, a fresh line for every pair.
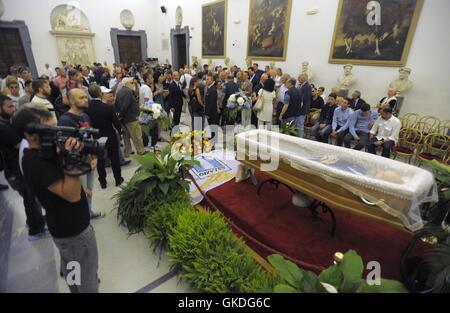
71,28
306,69
402,84
347,79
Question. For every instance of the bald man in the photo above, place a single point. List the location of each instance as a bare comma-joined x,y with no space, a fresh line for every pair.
76,117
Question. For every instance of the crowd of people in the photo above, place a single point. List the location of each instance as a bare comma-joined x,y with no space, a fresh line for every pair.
110,99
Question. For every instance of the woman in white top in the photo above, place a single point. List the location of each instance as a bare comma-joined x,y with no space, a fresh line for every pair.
278,74
267,94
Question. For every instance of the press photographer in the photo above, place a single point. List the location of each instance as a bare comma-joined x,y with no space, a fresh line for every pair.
61,194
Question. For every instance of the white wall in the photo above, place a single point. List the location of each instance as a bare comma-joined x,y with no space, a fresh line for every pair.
102,15
309,39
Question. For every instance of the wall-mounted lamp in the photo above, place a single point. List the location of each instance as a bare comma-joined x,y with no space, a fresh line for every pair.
163,9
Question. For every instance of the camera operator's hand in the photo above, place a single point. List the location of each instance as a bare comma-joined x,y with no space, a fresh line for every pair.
73,143
92,161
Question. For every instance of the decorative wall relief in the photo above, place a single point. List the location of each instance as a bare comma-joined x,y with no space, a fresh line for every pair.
71,29
127,19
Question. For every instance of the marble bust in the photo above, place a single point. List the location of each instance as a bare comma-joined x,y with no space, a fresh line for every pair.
347,79
306,69
402,84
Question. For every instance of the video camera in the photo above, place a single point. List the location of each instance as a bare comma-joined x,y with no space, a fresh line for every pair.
53,137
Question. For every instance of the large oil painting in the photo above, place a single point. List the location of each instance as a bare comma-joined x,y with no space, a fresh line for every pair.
268,29
374,32
214,29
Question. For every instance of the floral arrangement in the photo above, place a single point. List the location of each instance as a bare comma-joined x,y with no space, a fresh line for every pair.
191,143
237,103
152,112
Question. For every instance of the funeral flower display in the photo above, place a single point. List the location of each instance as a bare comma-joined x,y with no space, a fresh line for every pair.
152,113
237,103
191,143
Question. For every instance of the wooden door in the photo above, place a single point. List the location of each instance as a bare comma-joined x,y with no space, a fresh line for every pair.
129,49
12,52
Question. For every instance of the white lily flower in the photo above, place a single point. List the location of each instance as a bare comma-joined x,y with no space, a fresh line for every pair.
241,101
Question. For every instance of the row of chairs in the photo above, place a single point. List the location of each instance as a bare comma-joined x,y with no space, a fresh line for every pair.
414,142
426,124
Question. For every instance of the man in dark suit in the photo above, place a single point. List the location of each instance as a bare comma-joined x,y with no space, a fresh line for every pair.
105,120
306,96
356,102
258,72
176,98
211,109
230,88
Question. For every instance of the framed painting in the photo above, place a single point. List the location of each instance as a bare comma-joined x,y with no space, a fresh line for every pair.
214,29
268,29
374,32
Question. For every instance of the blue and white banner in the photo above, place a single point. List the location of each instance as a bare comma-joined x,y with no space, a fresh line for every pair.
215,169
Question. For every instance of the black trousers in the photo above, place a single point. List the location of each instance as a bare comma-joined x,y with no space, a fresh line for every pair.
33,211
213,121
112,146
177,115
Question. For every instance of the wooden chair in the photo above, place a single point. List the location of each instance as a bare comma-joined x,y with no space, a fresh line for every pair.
408,141
435,147
409,120
444,128
428,124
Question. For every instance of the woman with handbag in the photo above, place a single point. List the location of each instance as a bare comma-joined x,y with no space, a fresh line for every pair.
264,104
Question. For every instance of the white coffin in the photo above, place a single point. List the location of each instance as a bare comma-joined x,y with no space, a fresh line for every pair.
355,180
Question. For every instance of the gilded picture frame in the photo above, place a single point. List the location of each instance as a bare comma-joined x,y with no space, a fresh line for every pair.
268,29
214,30
387,44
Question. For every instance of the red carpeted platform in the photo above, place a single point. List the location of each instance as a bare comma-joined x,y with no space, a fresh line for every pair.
275,222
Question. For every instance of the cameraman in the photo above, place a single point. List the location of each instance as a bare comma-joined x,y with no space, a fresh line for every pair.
76,117
9,149
63,198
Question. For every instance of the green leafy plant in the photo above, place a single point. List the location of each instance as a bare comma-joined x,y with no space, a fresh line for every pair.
345,277
162,220
152,185
211,258
289,128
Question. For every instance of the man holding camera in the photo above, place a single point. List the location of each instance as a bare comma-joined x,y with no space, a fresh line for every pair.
9,143
61,194
76,117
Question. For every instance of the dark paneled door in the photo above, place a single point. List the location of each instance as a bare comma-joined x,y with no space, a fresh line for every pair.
129,49
11,50
180,44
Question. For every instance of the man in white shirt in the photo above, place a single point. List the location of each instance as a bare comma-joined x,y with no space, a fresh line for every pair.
25,74
385,133
145,92
49,72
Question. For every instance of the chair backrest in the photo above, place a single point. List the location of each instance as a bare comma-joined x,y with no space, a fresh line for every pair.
436,144
444,128
413,137
431,121
409,120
